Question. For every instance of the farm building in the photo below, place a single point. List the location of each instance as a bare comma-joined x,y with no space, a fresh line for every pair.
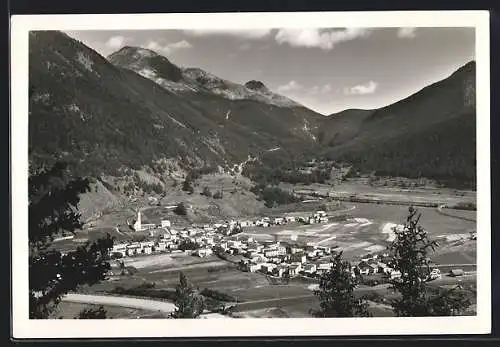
310,268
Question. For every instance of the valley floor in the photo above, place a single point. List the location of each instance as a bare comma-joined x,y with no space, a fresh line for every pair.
365,229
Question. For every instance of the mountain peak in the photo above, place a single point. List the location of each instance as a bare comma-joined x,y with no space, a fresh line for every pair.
256,85
136,52
146,62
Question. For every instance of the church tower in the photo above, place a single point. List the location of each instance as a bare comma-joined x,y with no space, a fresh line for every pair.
138,224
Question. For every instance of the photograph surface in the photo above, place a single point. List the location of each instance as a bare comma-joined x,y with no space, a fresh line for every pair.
187,176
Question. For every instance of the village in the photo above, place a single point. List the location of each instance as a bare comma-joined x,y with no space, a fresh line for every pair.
279,259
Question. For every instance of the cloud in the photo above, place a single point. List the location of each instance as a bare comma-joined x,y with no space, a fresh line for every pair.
241,33
407,33
362,89
295,88
167,48
291,86
116,42
322,38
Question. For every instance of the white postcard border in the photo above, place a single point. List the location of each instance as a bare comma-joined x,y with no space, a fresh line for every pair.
23,327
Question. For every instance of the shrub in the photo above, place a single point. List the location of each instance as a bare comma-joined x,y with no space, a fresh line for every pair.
188,187
218,195
214,294
91,313
186,245
206,191
180,209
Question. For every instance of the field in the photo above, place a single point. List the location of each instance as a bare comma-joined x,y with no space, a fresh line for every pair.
368,229
353,187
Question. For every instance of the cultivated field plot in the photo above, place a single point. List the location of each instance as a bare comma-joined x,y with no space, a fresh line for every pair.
439,195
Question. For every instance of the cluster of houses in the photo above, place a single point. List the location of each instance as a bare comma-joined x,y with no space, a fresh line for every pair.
273,258
205,237
317,217
374,264
281,259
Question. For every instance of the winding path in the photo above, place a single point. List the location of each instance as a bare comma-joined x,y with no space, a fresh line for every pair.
144,304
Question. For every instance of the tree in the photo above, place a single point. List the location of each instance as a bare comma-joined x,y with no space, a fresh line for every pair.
336,292
410,256
91,313
188,303
53,201
206,191
187,186
180,209
122,268
187,244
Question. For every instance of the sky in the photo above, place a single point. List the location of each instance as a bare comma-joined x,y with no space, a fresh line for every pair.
326,69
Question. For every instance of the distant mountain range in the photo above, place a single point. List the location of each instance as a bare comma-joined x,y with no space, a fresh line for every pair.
107,116
432,133
135,107
178,80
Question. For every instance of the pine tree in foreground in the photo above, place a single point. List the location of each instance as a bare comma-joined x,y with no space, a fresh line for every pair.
336,292
53,200
188,303
410,256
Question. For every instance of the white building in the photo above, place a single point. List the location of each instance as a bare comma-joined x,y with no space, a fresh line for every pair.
204,252
324,266
310,268
274,251
278,221
267,267
138,222
294,250
253,267
120,248
298,265
258,259
165,223
395,274
294,270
